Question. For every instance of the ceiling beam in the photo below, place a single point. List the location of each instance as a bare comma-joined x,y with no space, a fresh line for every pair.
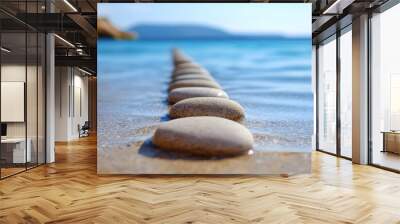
84,24
337,7
49,22
77,61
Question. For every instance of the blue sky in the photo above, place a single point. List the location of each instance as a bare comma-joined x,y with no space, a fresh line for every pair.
287,19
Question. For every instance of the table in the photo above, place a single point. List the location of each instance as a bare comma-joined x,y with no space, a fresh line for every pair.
391,141
16,147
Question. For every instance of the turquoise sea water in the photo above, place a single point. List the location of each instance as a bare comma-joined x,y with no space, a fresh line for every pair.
271,79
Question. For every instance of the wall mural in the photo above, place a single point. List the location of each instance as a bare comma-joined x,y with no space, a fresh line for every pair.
204,88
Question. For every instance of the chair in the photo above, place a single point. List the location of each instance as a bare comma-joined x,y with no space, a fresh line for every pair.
84,130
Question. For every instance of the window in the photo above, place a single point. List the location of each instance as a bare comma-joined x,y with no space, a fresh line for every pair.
346,93
327,96
385,89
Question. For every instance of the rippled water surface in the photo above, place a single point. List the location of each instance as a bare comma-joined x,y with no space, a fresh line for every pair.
271,79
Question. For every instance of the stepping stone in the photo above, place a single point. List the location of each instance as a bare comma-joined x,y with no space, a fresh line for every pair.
207,106
203,136
179,94
180,58
185,71
194,83
190,72
193,76
188,65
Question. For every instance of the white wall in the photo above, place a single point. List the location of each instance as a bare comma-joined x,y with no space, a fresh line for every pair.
62,83
33,126
80,110
12,73
70,83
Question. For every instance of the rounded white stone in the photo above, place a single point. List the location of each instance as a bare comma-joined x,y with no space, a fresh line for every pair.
180,72
179,94
193,76
187,65
193,83
207,106
203,136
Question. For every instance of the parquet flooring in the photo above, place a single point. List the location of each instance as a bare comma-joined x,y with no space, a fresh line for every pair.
69,191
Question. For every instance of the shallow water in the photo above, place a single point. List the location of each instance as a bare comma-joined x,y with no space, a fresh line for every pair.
271,79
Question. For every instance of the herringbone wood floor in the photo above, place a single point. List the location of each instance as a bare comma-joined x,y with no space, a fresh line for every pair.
69,191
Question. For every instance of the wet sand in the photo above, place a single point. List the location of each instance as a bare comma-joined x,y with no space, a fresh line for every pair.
143,158
140,156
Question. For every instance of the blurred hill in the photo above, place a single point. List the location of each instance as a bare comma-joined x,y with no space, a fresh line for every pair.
156,31
188,31
105,29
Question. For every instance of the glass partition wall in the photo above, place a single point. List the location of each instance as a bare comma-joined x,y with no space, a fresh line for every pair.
334,93
22,77
13,89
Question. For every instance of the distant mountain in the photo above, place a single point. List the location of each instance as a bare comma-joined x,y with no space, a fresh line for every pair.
177,32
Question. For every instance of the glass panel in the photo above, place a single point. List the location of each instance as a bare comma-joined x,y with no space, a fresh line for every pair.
23,89
385,114
41,98
346,93
31,100
327,96
32,88
14,153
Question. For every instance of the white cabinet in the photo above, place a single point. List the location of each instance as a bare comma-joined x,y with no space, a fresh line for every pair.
19,154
